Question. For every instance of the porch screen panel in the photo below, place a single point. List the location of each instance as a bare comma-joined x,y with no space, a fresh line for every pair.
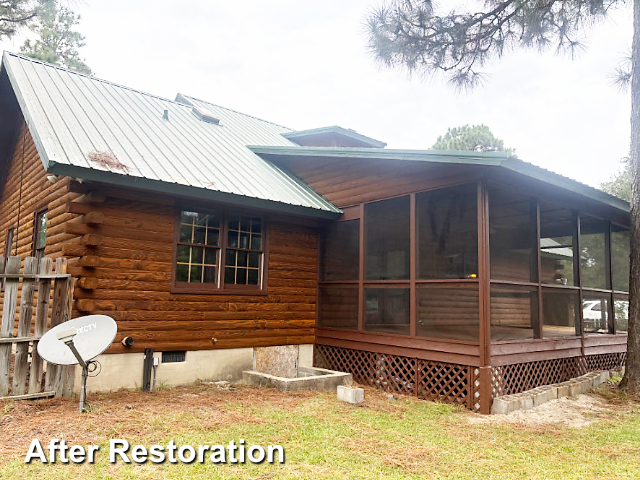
514,312
560,312
596,313
557,245
448,311
341,252
387,310
338,306
621,312
387,225
512,236
593,252
447,225
620,242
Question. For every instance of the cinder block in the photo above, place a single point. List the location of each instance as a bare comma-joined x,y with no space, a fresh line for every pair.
502,405
351,395
526,402
601,378
564,389
543,395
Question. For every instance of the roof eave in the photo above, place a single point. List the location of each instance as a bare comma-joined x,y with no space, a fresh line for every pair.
488,158
158,186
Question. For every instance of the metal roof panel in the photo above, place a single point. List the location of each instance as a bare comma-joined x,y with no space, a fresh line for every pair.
72,115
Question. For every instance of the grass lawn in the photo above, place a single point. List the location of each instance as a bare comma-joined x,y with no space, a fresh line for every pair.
401,438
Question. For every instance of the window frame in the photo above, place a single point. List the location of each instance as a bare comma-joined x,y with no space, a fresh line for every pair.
11,231
219,287
34,237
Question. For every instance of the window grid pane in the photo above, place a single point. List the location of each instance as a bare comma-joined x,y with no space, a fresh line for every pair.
197,252
243,257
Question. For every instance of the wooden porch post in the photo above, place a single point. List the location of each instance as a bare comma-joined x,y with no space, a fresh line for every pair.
484,298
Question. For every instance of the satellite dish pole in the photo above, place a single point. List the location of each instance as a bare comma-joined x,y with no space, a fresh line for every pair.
66,336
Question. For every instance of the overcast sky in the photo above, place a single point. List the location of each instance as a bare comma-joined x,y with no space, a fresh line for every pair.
305,64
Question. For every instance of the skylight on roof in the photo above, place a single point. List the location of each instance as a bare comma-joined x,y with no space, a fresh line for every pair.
205,115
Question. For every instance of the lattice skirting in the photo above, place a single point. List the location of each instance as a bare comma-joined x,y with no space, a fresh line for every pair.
521,377
446,382
453,383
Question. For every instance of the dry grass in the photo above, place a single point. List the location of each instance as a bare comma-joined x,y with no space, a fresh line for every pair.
385,438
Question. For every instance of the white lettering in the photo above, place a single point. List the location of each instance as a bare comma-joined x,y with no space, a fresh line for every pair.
275,448
119,450
218,455
92,453
157,454
139,454
252,457
77,454
35,451
192,454
172,452
201,451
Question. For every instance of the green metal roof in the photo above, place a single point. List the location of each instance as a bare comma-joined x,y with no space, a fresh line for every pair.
495,159
336,130
152,142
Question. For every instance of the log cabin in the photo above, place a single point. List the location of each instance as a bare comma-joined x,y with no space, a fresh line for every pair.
205,232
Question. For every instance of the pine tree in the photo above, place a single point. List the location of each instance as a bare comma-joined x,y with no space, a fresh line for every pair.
620,184
410,34
58,43
474,138
15,14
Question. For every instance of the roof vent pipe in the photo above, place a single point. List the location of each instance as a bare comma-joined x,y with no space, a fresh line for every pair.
165,115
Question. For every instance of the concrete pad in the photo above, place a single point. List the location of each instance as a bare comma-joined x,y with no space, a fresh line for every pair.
308,379
353,395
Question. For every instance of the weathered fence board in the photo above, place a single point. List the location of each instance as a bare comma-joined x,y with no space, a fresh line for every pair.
42,315
21,362
27,364
8,319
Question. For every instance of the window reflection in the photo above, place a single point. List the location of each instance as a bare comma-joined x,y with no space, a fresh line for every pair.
387,239
512,236
448,233
593,253
557,235
596,313
387,310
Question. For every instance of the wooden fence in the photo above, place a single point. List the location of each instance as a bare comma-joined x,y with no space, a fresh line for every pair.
22,370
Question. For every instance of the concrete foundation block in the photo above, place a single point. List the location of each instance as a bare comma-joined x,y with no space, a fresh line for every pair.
543,395
603,377
564,389
351,395
526,402
502,406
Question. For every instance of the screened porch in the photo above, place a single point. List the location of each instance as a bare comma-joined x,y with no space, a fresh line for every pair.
472,264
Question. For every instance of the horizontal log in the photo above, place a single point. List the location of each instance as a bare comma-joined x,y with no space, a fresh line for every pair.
88,283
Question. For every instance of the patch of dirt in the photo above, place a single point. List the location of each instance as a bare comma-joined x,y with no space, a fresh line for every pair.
124,414
572,412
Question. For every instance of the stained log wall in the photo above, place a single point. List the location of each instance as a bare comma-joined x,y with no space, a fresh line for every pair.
26,191
119,246
349,182
123,257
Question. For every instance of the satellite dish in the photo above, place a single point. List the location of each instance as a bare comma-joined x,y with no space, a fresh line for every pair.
93,335
78,341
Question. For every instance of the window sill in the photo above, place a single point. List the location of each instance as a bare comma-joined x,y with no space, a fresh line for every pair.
186,288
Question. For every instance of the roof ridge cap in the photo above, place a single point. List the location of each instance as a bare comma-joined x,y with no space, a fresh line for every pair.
91,77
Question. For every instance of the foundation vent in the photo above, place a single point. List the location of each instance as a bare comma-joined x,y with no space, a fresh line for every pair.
174,356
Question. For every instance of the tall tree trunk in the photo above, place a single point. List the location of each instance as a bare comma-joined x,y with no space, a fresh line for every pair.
631,380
